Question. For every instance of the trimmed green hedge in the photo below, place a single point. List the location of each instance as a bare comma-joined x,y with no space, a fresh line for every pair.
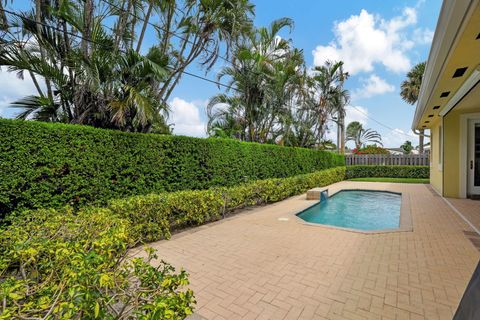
388,172
51,165
66,264
154,216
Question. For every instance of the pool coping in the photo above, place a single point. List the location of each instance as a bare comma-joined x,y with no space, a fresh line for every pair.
406,223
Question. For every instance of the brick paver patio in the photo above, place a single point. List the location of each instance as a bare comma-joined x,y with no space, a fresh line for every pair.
255,266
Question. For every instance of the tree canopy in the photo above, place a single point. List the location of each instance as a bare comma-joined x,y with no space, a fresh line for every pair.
360,136
91,56
90,65
275,98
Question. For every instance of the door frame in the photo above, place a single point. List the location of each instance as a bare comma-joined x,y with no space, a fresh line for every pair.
475,190
463,143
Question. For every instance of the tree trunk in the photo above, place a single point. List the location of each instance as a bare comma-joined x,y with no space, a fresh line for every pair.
133,23
38,20
144,27
66,41
3,18
339,137
421,138
342,135
122,24
87,26
35,83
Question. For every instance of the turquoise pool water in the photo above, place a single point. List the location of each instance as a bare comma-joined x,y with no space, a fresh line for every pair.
357,209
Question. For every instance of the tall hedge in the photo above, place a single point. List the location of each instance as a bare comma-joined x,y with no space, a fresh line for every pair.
50,165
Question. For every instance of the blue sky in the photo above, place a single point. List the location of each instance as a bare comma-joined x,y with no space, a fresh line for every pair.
378,41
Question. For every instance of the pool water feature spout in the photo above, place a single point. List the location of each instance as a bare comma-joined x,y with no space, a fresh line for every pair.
324,195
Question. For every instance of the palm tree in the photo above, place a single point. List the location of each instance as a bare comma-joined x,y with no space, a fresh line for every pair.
342,98
318,98
225,117
112,89
410,89
262,71
276,98
331,97
407,147
95,75
3,18
151,4
360,136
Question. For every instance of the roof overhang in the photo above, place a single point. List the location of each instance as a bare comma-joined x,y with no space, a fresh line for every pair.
465,88
454,46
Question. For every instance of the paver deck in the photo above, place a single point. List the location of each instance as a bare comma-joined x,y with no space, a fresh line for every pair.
255,266
470,209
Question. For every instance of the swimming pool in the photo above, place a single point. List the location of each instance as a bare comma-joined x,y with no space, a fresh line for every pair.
357,209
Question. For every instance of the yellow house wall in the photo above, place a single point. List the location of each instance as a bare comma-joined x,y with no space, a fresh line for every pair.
453,146
451,156
436,175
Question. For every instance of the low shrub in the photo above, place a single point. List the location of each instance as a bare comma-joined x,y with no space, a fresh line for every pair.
49,165
371,149
62,264
154,216
57,264
387,172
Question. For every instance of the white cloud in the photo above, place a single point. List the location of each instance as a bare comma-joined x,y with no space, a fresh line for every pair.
331,134
356,113
372,86
13,88
396,137
423,36
4,103
366,39
185,116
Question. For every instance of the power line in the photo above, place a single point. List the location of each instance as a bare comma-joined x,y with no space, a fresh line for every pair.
52,27
382,124
163,29
218,83
212,81
181,38
174,34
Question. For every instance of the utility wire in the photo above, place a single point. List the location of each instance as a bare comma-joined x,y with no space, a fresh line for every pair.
180,37
218,83
382,124
163,29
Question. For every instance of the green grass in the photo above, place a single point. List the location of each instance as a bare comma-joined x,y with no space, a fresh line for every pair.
394,180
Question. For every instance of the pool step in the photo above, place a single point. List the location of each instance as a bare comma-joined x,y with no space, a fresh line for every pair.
315,193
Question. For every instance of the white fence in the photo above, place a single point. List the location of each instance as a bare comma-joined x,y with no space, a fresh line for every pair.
387,159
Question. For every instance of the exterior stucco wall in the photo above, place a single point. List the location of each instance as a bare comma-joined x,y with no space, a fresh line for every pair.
454,145
451,156
436,174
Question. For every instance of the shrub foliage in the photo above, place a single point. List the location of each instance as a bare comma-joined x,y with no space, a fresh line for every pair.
154,216
371,149
388,172
61,264
50,165
57,264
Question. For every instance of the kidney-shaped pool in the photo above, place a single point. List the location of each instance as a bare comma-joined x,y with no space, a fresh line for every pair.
357,209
